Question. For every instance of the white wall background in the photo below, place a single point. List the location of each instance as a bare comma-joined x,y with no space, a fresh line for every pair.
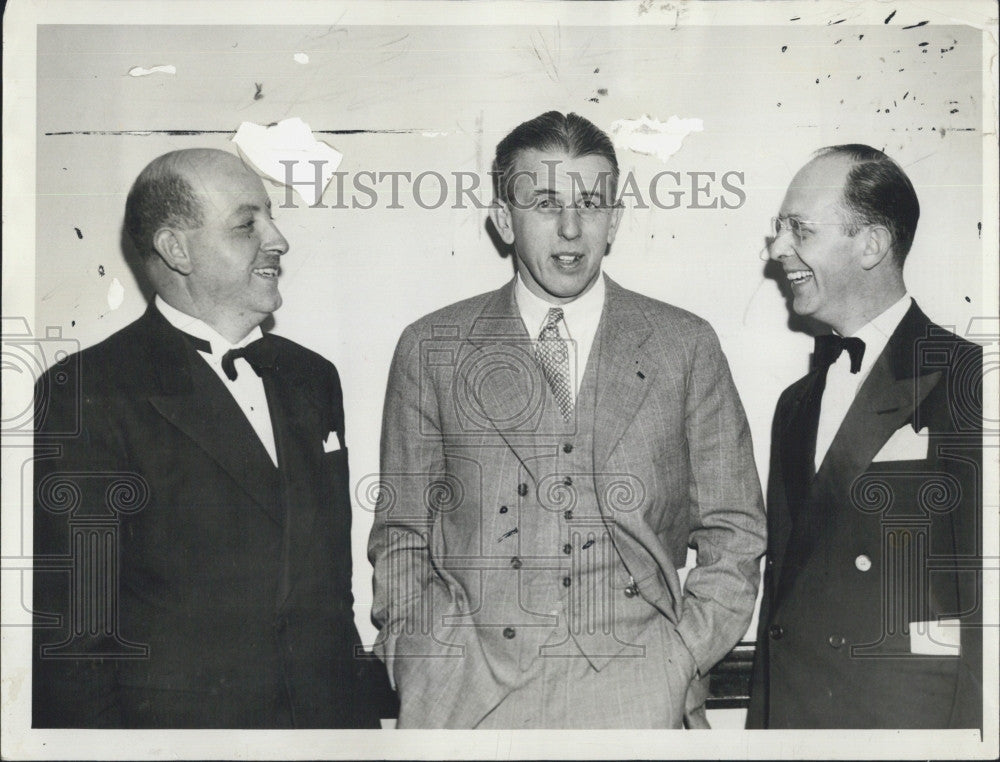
440,98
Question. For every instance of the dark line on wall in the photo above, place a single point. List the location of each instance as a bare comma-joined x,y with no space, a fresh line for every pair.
144,133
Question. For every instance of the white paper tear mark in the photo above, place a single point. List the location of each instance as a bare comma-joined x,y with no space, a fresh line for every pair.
289,140
139,71
116,294
432,134
301,58
651,137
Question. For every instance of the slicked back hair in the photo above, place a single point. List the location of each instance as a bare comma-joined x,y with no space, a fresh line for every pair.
161,197
553,130
878,192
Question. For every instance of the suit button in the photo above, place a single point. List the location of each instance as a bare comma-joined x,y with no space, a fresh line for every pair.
522,489
862,563
835,641
515,562
567,448
567,548
775,631
503,509
568,481
567,582
567,515
509,633
631,591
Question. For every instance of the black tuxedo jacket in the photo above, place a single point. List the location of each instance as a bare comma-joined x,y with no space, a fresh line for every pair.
181,580
869,546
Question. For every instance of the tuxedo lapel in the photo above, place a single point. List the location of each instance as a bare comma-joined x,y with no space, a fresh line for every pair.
192,398
296,422
625,371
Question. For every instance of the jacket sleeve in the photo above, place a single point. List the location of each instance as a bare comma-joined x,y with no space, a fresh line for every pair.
76,467
726,514
406,585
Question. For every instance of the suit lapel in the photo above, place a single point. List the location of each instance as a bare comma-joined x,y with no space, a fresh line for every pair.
499,382
625,371
192,398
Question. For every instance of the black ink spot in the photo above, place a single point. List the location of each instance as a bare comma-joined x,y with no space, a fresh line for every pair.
953,111
78,233
453,252
597,71
72,323
260,91
602,91
889,17
784,48
640,374
979,227
905,94
100,270
922,44
817,80
594,100
795,19
839,41
914,26
779,104
968,300
861,37
838,21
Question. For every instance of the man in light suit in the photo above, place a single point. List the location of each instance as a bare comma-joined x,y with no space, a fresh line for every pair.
872,607
192,517
549,452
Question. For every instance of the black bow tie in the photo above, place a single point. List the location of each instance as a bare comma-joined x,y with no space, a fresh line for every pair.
829,347
260,354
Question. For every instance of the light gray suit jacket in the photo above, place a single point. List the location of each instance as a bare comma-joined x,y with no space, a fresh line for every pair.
458,436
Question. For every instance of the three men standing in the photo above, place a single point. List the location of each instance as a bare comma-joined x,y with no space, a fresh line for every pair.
549,452
872,607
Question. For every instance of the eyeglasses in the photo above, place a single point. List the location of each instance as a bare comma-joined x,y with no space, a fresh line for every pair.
794,225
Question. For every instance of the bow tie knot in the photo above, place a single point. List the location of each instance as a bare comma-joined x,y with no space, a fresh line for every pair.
830,346
257,353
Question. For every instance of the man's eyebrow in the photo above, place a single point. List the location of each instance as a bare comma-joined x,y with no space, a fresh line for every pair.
244,208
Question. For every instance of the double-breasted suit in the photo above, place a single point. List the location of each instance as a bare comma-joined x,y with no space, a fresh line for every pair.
872,602
507,539
182,580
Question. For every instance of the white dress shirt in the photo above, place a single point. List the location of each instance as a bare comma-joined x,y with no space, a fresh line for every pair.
578,326
248,388
842,385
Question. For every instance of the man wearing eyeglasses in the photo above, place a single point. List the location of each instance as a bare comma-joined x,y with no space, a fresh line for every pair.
549,452
871,611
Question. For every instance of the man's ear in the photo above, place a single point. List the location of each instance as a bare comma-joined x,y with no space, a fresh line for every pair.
172,247
500,214
616,217
878,246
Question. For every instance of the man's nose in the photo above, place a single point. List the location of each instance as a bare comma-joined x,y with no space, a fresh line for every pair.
273,241
569,223
778,246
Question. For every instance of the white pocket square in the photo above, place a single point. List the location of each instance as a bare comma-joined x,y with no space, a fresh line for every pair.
904,444
332,442
936,638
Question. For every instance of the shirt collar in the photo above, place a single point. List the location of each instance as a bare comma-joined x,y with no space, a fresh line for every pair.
584,309
202,330
875,333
